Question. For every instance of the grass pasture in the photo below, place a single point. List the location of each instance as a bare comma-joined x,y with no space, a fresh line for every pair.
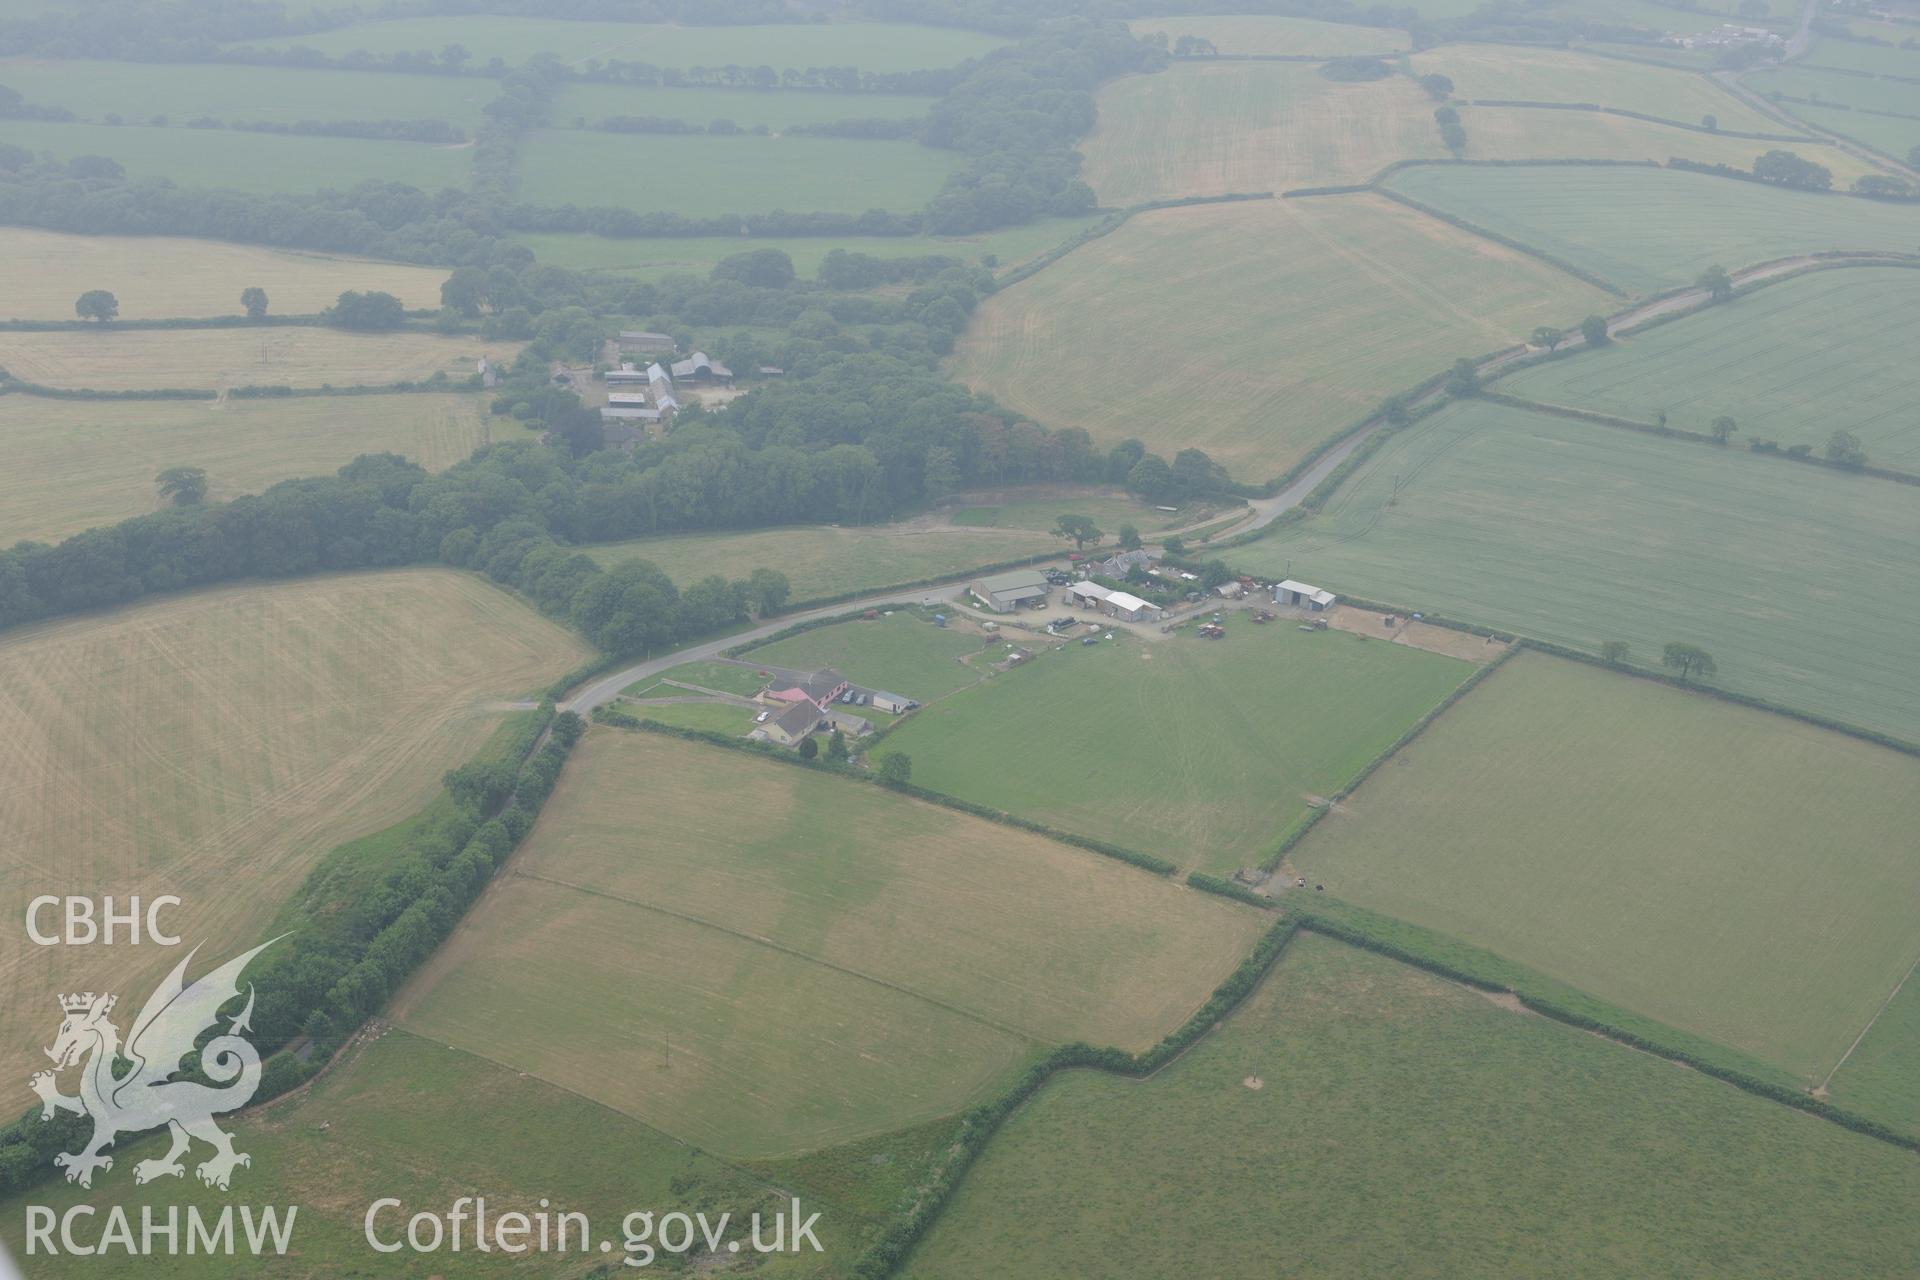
1506,1145
296,356
729,175
1523,74
256,163
1202,753
1202,129
1854,55
697,255
1652,229
1261,35
1724,870
1545,133
1882,1076
820,561
1793,363
827,960
745,107
1893,134
1039,508
1889,135
1792,576
80,463
138,91
213,745
402,1117
1256,330
901,653
156,277
870,46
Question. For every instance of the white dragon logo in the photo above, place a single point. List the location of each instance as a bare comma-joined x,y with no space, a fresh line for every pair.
147,1096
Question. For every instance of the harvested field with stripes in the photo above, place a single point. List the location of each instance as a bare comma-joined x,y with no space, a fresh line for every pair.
1523,74
298,356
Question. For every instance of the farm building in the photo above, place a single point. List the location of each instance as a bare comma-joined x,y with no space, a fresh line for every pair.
642,343
621,435
1087,594
1005,592
626,376
892,703
794,725
1119,566
1300,593
819,689
628,404
1230,590
700,367
1129,608
850,724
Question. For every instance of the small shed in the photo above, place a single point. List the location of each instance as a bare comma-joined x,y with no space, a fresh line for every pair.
892,703
1130,608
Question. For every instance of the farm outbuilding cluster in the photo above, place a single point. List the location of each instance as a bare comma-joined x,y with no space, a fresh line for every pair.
1005,592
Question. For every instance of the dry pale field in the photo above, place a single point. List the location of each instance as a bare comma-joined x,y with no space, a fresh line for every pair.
125,360
214,745
74,464
1518,73
1257,330
827,959
1201,129
1523,133
1266,35
157,277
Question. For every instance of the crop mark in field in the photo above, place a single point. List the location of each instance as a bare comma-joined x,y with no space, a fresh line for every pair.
758,940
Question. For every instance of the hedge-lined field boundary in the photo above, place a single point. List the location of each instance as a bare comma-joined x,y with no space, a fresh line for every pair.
1114,220
1531,105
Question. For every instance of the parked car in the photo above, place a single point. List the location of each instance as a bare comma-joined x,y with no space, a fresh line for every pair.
763,717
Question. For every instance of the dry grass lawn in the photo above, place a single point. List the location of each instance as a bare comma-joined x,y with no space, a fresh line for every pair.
215,744
157,277
74,464
826,959
126,360
1200,129
1256,330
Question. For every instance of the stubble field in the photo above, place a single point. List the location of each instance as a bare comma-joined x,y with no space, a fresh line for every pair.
214,744
1522,74
297,356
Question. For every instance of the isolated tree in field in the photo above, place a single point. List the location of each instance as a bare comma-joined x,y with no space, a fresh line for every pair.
1438,87
1723,427
837,747
1549,337
1613,652
1710,123
809,749
255,301
767,590
97,305
1081,529
465,291
1716,281
1689,660
1844,448
1129,538
1396,412
1464,379
1594,330
896,768
182,486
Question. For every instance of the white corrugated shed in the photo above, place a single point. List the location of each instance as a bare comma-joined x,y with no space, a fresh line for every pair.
1125,600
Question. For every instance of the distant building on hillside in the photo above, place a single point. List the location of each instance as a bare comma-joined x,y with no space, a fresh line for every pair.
700,367
636,342
1005,592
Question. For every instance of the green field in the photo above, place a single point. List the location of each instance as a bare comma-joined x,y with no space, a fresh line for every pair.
1201,753
1882,1077
409,1118
75,464
1201,129
1264,35
1894,135
725,677
139,91
1522,74
652,258
1039,510
902,653
745,107
1727,871
827,960
258,163
1793,363
821,561
713,716
1858,56
1652,229
870,46
1254,331
744,174
1547,133
1576,533
1405,1126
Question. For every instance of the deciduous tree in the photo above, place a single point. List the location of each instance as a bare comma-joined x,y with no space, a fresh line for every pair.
1717,283
1613,651
1689,660
255,301
896,768
182,486
1723,427
97,305
1080,529
1594,330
